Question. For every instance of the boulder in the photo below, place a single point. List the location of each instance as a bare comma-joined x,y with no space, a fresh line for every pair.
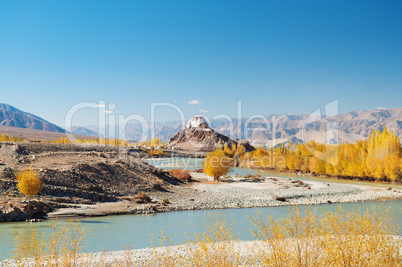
18,211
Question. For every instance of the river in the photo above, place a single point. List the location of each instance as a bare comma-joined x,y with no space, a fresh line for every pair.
114,232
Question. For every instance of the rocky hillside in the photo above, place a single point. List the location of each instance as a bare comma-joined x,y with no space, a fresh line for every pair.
13,117
75,174
197,136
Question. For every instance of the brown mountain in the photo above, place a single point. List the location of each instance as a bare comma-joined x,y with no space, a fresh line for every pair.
78,130
347,127
13,117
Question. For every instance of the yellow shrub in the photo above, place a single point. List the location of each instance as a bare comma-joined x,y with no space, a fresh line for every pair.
28,182
63,248
217,164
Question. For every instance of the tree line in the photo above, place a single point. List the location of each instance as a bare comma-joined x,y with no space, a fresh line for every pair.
376,158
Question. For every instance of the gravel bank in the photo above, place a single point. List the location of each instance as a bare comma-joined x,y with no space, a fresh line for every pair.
238,192
242,193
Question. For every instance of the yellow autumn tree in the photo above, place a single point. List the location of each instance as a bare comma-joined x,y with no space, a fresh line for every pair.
378,157
217,164
29,183
230,152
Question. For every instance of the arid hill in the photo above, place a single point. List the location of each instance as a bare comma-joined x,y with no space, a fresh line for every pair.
75,174
38,135
197,136
11,116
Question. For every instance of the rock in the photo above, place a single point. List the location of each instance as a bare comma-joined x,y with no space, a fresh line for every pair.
102,155
297,182
152,207
8,173
277,198
34,220
17,211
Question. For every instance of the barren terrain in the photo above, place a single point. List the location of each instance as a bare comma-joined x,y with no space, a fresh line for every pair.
76,174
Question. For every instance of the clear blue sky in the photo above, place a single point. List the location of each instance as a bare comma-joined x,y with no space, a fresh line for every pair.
276,56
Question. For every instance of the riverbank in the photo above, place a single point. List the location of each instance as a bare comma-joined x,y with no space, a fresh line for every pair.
250,253
335,177
236,192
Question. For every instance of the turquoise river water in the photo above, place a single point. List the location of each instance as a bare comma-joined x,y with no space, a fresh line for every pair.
115,232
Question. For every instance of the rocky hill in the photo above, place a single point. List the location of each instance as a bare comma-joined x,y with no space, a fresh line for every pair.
13,117
197,136
75,175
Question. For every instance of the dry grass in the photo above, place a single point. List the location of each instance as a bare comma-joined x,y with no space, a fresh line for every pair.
332,239
63,248
340,238
141,198
180,174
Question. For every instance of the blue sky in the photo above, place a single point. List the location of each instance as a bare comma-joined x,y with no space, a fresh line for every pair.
275,56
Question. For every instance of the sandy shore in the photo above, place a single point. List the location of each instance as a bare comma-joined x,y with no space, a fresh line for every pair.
238,192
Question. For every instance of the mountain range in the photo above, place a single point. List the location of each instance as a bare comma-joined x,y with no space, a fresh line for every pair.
268,130
275,129
13,117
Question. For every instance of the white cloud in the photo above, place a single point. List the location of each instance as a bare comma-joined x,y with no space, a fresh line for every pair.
203,110
107,111
100,106
381,108
193,102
